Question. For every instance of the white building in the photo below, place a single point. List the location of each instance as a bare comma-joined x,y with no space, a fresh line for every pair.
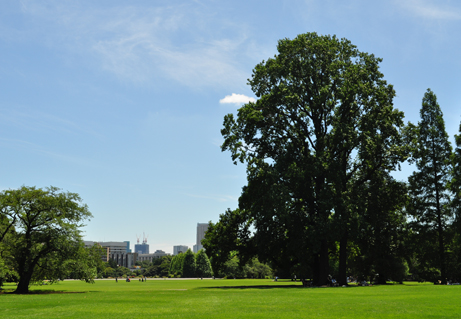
151,257
179,249
201,230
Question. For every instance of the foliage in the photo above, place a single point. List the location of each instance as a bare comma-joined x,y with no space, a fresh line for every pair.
176,265
381,229
323,123
47,242
159,267
429,192
234,268
189,265
229,236
203,264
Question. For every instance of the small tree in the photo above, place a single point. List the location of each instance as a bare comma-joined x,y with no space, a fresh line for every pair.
203,264
189,266
47,243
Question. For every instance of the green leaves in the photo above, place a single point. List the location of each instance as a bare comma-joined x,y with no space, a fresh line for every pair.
429,192
47,242
323,124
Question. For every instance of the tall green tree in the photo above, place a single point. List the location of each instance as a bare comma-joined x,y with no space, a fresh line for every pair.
176,265
189,265
381,229
203,264
430,195
455,183
47,243
230,235
323,114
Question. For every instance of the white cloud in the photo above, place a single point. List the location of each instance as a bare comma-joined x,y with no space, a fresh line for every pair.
237,99
431,10
148,44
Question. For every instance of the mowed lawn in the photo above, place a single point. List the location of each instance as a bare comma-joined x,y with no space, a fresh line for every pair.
229,299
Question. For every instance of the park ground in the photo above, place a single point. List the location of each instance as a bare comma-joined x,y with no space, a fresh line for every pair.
229,299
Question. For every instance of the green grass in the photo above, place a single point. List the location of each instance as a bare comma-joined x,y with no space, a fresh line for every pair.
229,299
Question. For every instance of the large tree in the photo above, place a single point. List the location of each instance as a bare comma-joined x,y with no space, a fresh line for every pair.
455,183
430,196
47,243
323,114
381,229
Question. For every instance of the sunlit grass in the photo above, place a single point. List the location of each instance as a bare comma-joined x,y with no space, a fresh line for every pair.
229,299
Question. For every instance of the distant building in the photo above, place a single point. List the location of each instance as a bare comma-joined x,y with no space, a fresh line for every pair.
179,249
141,248
124,259
151,257
128,249
201,230
116,250
110,247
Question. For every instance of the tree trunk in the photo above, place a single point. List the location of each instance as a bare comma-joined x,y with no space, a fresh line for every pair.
24,282
342,280
321,266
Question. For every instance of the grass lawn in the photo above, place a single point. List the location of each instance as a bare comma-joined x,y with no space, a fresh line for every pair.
229,299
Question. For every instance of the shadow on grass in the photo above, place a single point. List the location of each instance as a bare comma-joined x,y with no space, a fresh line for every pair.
254,287
269,287
284,287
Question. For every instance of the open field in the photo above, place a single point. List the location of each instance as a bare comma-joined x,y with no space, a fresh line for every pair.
229,299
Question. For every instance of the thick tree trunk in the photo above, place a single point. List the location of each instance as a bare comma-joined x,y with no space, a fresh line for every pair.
443,273
342,280
24,282
321,267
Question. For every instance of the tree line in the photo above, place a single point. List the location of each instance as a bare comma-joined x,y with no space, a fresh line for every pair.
320,145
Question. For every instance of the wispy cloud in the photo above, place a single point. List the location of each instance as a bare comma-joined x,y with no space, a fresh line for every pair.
237,99
431,9
40,121
40,150
149,44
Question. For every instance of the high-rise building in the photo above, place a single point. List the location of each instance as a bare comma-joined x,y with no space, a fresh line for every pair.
179,249
201,230
142,248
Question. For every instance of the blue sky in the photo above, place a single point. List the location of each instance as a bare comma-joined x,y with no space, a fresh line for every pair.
123,101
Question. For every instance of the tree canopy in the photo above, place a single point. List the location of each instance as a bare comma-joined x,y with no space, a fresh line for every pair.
323,123
429,185
47,243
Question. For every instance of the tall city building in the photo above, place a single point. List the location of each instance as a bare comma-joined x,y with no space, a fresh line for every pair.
201,230
179,249
142,248
128,250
